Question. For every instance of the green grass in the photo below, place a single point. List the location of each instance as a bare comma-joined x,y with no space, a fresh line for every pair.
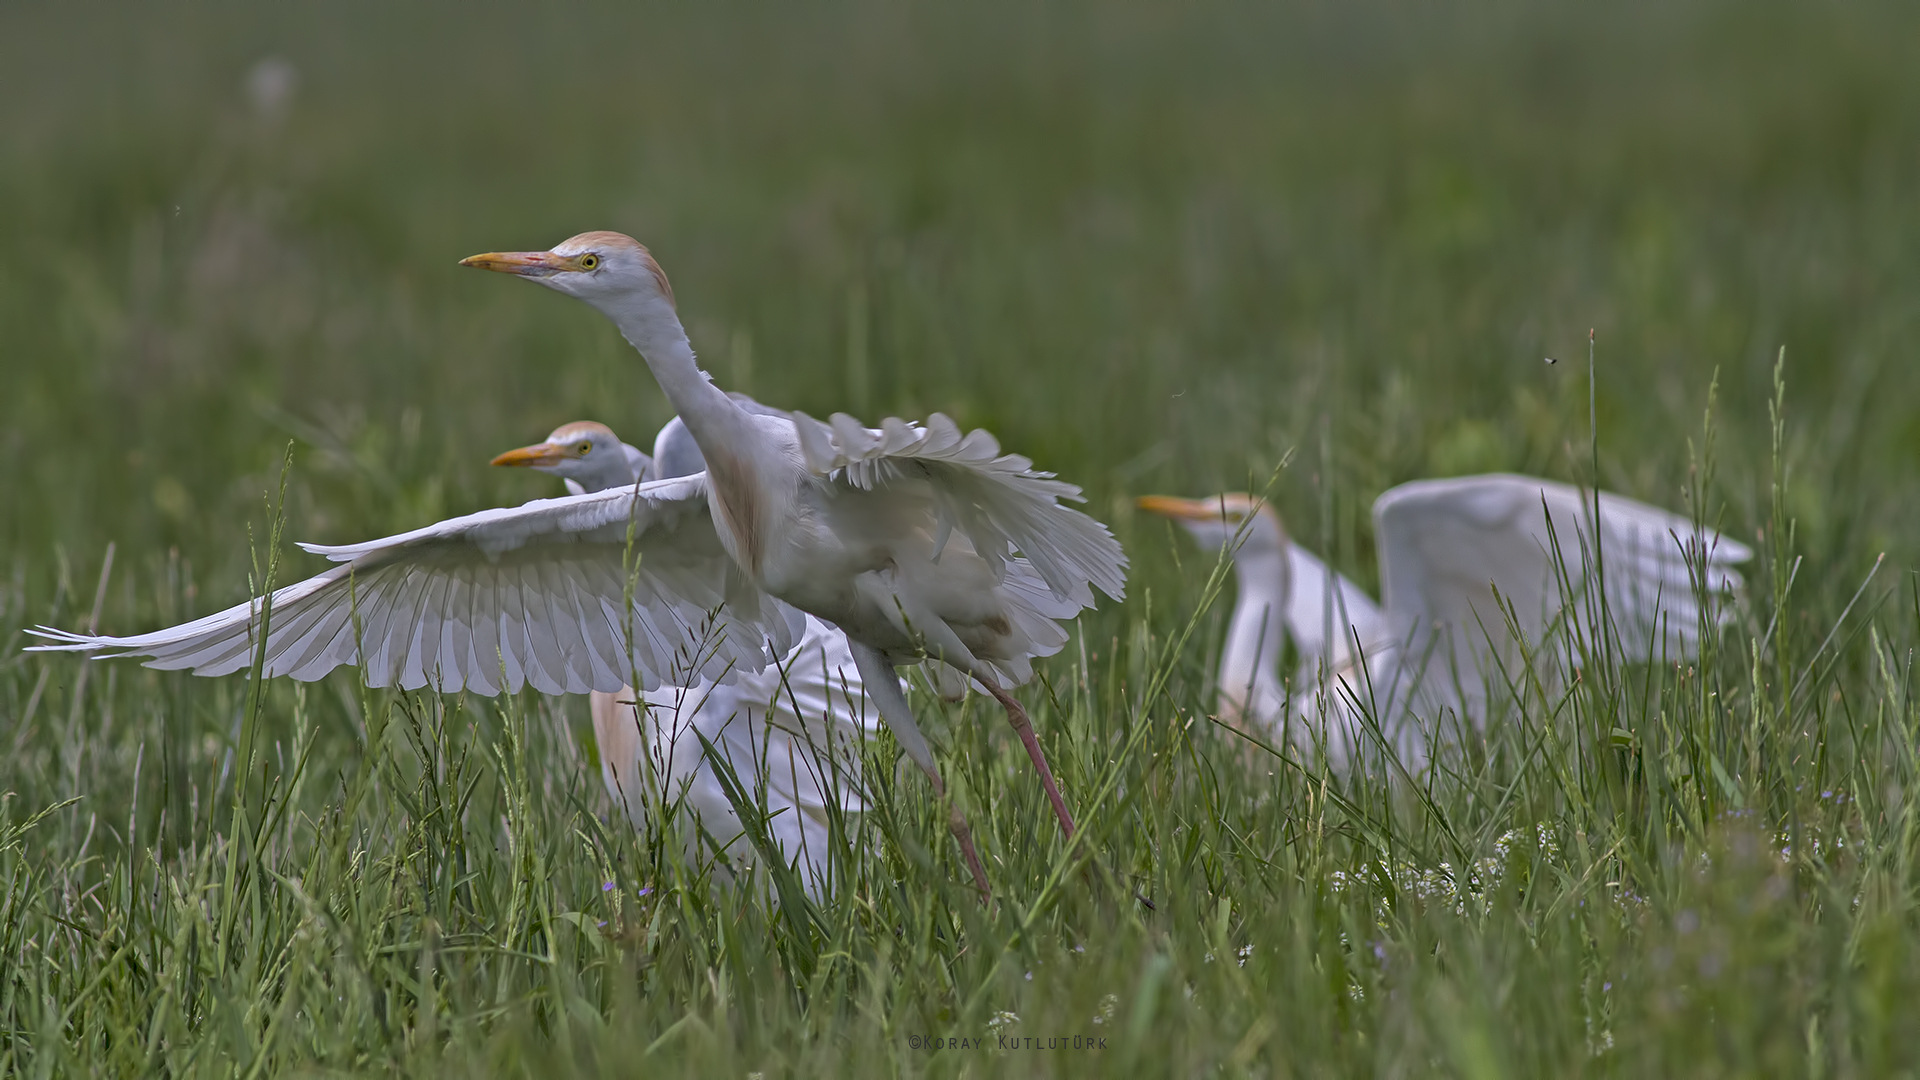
1157,249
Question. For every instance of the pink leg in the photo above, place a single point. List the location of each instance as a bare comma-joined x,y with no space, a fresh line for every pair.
1023,727
957,824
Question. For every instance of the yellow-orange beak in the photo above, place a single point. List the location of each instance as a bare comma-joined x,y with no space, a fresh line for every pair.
537,454
524,263
1178,509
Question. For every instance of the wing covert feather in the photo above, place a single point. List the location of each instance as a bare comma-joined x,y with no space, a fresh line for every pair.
999,501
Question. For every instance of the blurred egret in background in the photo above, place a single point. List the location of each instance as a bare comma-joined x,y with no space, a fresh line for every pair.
1460,560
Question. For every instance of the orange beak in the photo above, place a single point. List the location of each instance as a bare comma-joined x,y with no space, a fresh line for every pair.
534,264
1178,509
537,454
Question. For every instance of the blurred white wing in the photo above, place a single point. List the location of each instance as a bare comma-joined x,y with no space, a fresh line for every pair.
797,727
533,594
1444,542
815,692
1000,503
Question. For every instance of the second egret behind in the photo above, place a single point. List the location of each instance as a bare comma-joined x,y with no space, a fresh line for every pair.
790,733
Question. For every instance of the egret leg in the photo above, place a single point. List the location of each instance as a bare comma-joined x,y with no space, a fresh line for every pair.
947,646
957,825
883,686
1023,727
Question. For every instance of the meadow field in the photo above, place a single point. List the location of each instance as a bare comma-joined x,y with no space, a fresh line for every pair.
1314,249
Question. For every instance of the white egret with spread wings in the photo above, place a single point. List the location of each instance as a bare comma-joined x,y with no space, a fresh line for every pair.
918,541
1445,547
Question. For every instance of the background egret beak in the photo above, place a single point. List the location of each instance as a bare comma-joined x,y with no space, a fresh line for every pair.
1183,509
537,454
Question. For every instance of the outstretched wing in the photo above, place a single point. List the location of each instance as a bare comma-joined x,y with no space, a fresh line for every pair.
1443,543
534,594
998,501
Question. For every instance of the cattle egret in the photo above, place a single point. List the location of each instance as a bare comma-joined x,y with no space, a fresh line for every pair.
1445,547
915,540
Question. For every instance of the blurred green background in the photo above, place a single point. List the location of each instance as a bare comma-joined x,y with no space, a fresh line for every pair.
1154,247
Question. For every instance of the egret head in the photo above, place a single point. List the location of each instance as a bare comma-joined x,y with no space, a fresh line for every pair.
1218,520
588,454
606,269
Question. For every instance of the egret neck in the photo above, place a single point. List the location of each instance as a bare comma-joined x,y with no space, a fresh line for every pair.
745,463
1250,661
1247,527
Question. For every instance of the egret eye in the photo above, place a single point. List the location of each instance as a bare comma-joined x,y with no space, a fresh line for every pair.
589,261
584,447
